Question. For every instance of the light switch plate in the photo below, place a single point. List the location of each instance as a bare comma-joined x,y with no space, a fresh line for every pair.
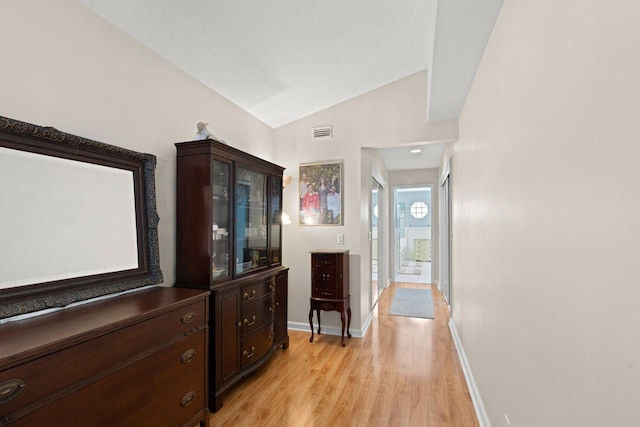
341,238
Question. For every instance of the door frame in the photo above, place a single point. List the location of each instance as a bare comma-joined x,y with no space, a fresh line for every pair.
446,235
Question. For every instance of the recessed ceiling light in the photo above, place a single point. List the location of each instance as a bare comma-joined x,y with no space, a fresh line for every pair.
416,150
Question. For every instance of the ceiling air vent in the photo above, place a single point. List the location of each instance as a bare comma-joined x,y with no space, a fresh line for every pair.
322,132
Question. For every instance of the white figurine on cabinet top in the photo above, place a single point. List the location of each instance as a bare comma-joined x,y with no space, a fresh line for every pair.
203,132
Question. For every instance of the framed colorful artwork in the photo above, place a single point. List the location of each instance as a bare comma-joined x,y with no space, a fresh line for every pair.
321,195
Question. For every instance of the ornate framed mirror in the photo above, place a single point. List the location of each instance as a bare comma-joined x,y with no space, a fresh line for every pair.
78,219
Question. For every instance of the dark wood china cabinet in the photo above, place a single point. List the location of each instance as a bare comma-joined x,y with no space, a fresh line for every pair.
229,241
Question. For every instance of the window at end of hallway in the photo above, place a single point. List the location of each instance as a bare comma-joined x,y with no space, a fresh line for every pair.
419,210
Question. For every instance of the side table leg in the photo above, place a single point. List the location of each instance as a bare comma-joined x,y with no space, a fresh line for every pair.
311,323
342,321
349,322
318,313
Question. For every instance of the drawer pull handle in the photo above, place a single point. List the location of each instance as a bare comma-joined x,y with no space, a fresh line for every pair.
272,308
239,324
188,398
188,355
249,355
252,296
271,337
272,286
188,317
10,389
249,323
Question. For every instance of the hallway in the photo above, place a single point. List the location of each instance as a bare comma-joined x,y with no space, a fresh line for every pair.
405,372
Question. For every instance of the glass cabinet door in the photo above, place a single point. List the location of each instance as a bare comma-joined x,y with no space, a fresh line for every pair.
251,220
276,219
220,265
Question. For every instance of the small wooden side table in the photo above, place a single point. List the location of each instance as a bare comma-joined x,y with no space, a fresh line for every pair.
330,287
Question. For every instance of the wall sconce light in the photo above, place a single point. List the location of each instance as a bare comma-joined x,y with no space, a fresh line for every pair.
286,180
285,219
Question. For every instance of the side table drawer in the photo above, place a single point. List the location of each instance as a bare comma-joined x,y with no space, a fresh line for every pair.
324,260
324,293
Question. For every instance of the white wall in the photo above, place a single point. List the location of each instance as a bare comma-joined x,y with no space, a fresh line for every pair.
391,115
63,66
546,216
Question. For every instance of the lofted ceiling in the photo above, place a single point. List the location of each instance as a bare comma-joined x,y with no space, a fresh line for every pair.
282,60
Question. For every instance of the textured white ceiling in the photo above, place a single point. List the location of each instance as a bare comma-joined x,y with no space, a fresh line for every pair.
282,60
401,158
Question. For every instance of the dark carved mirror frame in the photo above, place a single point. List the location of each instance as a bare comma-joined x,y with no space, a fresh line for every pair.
48,141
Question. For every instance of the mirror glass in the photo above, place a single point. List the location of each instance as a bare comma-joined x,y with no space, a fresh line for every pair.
63,218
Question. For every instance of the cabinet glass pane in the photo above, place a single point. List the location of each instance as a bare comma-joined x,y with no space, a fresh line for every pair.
220,221
251,220
276,218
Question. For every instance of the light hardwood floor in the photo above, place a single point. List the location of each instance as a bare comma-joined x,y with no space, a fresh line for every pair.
404,372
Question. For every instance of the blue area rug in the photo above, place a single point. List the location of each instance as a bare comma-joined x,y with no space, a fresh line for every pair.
412,303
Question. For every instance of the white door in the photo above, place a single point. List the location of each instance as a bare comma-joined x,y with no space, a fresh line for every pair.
413,236
376,222
445,241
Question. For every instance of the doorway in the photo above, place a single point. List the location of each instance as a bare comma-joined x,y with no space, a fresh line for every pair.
445,240
413,237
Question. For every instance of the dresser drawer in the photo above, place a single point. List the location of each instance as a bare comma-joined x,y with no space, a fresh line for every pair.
114,399
257,290
48,377
164,409
256,314
255,346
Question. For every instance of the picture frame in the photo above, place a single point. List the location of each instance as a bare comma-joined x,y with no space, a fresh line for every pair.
318,201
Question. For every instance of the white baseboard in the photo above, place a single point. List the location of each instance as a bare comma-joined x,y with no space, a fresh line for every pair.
481,414
329,330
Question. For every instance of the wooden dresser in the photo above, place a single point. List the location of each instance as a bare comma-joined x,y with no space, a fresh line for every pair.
135,359
330,287
422,249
